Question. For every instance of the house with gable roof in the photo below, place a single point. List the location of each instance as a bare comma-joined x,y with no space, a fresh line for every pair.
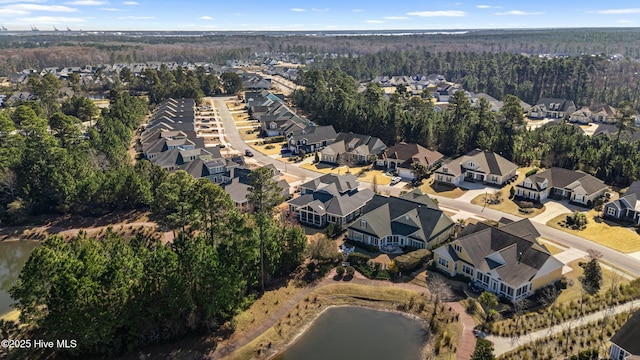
624,343
507,260
352,148
330,199
310,138
627,207
401,157
573,185
477,165
552,108
412,219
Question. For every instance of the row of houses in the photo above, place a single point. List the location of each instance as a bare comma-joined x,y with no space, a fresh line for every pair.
172,140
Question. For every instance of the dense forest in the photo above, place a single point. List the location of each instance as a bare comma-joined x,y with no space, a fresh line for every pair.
46,50
587,80
330,97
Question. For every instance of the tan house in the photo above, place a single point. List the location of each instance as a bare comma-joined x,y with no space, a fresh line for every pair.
599,113
506,260
478,165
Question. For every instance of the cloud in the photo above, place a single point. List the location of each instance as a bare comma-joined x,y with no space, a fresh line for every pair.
111,9
21,1
52,20
297,10
519,13
36,7
449,13
331,27
136,17
396,17
625,21
319,10
86,2
357,10
374,21
11,12
206,18
616,11
488,7
130,3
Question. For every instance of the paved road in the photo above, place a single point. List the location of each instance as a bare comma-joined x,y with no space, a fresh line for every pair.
236,141
613,257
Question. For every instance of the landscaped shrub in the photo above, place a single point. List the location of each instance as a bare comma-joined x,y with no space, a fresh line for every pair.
531,172
358,259
410,261
526,204
340,270
350,271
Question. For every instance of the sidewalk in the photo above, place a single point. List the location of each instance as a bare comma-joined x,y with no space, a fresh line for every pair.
502,344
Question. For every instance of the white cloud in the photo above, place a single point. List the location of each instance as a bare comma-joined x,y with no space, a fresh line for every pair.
617,11
86,2
136,17
206,18
625,21
11,12
297,10
374,21
130,3
52,20
357,10
519,13
487,7
36,7
396,17
319,10
111,9
448,13
21,1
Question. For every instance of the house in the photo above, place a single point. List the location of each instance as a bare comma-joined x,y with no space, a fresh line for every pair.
625,344
413,220
330,199
478,165
352,149
239,186
575,186
310,138
255,81
552,108
445,93
599,113
627,207
506,260
401,156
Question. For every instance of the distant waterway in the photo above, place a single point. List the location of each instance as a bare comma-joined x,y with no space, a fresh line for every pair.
358,333
13,256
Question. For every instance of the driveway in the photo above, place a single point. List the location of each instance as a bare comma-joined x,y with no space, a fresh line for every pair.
555,208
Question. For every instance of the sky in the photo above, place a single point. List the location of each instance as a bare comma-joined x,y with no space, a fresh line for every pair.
281,15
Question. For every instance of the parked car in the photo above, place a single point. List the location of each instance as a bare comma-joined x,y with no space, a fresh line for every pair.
248,153
395,180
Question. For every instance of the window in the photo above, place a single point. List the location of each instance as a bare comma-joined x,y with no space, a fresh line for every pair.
458,248
479,276
611,211
467,270
439,177
443,262
485,279
363,223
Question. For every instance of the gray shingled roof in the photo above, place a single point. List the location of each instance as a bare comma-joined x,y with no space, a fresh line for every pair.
408,153
342,183
629,334
561,178
487,161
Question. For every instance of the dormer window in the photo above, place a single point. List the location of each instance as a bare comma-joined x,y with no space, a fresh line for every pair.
363,223
471,164
528,184
458,248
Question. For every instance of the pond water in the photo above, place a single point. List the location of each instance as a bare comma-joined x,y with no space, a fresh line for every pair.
13,255
358,333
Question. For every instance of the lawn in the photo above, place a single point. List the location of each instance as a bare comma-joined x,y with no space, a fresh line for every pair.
366,176
507,205
240,116
273,151
602,232
444,190
249,134
575,292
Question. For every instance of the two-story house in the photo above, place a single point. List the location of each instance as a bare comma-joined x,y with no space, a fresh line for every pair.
310,138
413,219
402,156
330,199
506,260
625,344
627,207
477,165
352,148
575,186
552,108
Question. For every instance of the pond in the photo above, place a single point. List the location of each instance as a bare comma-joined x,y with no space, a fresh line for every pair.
13,255
359,333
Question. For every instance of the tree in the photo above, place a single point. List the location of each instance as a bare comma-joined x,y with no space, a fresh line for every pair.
46,89
625,121
591,278
489,302
264,195
483,350
74,82
231,82
323,250
419,171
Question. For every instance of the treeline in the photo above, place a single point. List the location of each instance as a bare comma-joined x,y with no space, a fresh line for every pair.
587,80
330,97
52,163
113,294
